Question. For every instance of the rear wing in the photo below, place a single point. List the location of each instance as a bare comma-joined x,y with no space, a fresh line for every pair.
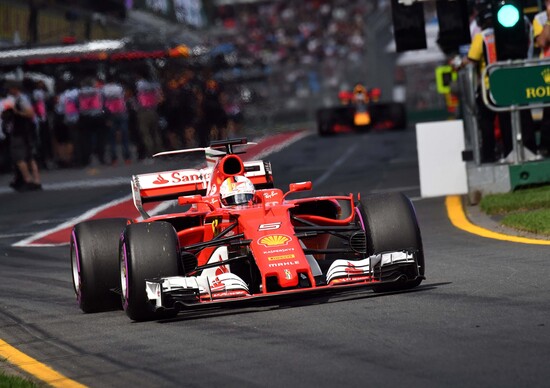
217,149
169,185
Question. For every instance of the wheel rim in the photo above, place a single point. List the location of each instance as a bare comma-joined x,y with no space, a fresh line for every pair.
124,275
361,221
75,265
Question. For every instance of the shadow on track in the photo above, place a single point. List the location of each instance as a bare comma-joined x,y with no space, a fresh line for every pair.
251,307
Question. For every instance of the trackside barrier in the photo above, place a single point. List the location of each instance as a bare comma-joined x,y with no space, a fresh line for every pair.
514,86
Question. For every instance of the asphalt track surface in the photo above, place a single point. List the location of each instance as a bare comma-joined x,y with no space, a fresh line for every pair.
481,318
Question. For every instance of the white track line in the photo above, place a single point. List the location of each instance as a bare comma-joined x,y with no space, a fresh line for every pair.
84,216
282,145
336,164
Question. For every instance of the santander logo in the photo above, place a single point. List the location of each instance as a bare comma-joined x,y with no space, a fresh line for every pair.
176,177
160,180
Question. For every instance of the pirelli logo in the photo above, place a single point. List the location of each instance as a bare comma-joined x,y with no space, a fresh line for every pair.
281,257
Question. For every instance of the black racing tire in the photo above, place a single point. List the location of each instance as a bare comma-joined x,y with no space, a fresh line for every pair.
391,225
94,263
325,122
147,250
322,132
324,128
389,112
398,114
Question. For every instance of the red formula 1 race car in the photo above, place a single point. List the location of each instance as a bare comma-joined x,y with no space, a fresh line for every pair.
361,110
239,239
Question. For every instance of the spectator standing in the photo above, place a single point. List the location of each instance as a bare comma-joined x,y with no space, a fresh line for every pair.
214,118
189,92
148,97
132,108
92,126
117,120
22,147
6,123
40,98
541,34
171,111
66,121
186,101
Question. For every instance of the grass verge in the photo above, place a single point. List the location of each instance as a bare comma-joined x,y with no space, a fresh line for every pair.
526,209
9,381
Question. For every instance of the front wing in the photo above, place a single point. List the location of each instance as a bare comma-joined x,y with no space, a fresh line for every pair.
182,293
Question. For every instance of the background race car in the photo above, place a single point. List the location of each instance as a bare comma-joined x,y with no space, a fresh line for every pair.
361,110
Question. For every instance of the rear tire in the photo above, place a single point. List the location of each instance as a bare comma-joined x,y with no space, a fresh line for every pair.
147,250
392,115
94,263
324,122
391,225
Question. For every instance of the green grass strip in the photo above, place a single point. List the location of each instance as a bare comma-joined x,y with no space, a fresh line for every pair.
535,221
8,381
520,200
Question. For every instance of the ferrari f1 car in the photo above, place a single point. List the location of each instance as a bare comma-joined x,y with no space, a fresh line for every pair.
266,245
361,110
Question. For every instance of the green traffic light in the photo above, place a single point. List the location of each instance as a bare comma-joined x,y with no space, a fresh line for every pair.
508,16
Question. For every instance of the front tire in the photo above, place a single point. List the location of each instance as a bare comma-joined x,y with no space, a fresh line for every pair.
147,250
94,263
391,225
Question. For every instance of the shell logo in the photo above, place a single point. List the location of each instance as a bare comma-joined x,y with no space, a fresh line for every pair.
273,240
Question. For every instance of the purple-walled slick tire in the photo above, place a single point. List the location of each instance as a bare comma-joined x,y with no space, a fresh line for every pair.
94,263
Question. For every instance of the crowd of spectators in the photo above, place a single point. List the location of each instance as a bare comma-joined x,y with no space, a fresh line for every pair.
91,119
300,44
124,117
300,32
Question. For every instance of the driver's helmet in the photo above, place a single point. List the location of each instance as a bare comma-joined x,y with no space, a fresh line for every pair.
360,93
236,190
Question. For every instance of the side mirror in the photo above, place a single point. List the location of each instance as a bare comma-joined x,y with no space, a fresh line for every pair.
300,186
197,203
189,199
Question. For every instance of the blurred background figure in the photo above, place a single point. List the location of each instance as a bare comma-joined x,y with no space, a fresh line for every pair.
148,98
41,101
213,119
6,123
91,125
117,120
66,119
22,140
